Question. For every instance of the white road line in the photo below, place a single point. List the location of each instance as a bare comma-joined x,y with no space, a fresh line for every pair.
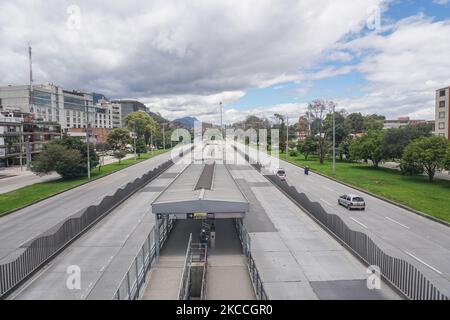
361,224
326,202
423,262
329,189
394,221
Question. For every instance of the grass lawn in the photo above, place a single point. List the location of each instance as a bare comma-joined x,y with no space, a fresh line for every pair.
26,195
415,192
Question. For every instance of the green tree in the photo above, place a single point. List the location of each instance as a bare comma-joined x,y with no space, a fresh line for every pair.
68,163
307,146
447,159
427,153
343,149
140,147
373,122
354,122
341,131
396,139
119,155
281,126
142,124
118,137
79,145
369,147
316,113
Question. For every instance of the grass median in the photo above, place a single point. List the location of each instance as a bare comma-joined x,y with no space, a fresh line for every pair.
38,191
415,192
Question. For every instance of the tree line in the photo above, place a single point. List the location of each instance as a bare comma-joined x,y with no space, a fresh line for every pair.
360,138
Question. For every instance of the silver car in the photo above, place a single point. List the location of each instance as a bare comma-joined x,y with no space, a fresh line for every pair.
351,201
281,173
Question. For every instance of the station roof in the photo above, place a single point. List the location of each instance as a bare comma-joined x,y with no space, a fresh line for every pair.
202,188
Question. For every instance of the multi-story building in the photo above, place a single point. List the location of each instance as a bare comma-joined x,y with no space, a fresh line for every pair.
49,103
10,139
442,113
22,136
127,107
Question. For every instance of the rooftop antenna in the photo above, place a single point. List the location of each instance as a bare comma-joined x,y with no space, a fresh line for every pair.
30,54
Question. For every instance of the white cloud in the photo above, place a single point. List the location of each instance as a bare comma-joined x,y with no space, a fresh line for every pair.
442,2
403,68
179,56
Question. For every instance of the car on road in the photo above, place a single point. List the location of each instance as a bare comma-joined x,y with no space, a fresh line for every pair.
352,201
280,173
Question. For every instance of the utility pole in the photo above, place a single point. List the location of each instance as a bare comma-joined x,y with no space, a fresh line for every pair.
87,143
221,116
134,139
21,146
334,140
164,135
287,136
28,153
30,60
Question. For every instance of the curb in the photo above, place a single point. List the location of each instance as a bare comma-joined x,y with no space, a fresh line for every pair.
420,213
4,214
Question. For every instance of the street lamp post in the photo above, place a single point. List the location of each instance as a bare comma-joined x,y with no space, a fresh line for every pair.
334,140
287,136
87,144
28,152
164,136
134,140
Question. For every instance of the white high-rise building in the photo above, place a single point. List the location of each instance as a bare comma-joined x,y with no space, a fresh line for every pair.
443,112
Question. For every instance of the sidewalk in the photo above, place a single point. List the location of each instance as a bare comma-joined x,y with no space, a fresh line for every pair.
13,178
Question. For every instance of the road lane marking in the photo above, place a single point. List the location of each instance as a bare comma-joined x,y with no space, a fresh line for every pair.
326,202
394,221
361,224
329,189
423,262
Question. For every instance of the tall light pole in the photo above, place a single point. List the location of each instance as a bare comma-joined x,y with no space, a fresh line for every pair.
287,136
164,135
134,140
87,143
221,116
334,140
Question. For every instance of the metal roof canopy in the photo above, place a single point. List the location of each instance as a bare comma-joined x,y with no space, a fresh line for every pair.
202,191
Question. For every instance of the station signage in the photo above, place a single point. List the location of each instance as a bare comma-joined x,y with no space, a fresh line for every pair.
200,215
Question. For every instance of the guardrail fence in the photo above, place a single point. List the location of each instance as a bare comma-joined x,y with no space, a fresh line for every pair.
401,274
404,276
44,248
131,284
254,274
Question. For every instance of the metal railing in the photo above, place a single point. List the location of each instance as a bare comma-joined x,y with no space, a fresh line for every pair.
131,284
253,270
402,275
43,248
195,253
183,292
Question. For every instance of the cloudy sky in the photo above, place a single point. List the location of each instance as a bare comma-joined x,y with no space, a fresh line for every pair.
257,57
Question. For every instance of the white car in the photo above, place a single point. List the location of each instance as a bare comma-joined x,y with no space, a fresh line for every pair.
280,173
352,201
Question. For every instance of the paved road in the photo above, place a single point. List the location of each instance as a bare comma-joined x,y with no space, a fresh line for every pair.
13,178
104,253
399,232
296,258
18,228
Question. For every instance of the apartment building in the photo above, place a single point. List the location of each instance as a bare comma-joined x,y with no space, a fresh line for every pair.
22,136
442,113
48,102
127,107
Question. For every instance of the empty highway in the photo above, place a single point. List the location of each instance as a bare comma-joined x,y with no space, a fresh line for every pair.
399,232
